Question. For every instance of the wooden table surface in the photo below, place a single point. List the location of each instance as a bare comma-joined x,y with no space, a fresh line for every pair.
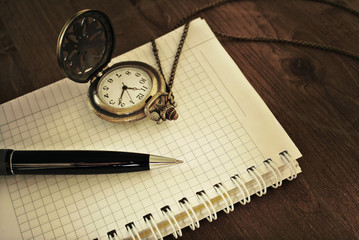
313,93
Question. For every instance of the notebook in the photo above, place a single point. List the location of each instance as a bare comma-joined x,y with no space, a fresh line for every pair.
231,144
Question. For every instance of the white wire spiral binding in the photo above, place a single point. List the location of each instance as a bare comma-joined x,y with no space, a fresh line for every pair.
275,171
152,225
236,179
170,217
202,196
221,190
262,186
131,228
225,196
184,203
290,163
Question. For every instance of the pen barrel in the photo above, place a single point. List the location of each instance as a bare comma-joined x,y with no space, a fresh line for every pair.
77,162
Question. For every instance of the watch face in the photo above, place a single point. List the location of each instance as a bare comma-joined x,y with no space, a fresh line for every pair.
125,88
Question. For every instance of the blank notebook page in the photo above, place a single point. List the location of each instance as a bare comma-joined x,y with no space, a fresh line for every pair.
223,128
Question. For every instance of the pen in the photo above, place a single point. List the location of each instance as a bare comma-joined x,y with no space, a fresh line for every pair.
14,162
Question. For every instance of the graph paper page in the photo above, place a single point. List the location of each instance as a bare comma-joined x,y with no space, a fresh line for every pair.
223,128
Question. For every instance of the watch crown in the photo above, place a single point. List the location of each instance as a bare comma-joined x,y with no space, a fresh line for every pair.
171,114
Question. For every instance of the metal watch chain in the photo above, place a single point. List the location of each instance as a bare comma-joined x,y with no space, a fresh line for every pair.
165,107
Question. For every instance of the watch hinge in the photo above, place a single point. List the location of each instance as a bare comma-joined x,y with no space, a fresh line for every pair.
99,74
93,79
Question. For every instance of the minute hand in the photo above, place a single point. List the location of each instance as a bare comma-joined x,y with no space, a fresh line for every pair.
133,88
129,95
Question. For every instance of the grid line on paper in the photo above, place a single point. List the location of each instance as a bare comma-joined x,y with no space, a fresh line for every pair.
36,103
202,137
253,157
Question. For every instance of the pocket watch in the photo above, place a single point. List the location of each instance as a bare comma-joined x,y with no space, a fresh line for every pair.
124,92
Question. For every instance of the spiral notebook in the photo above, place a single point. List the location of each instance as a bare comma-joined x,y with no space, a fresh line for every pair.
232,146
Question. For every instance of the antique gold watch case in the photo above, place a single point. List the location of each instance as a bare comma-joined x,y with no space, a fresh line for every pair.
84,49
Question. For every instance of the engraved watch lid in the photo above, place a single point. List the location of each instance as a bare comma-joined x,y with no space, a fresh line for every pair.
85,45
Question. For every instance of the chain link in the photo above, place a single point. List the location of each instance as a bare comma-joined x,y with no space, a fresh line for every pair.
186,18
293,42
175,62
165,108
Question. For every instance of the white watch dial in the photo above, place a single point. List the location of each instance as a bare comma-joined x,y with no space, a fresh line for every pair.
124,87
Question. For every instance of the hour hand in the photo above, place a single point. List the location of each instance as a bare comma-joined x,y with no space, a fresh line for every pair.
120,99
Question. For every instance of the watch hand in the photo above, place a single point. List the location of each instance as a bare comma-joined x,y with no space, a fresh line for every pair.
133,88
123,91
129,95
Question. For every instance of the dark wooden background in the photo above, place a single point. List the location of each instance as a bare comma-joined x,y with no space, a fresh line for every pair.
314,94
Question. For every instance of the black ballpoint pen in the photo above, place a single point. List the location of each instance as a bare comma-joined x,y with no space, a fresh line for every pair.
14,162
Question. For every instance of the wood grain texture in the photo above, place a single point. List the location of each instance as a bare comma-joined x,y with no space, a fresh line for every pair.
314,95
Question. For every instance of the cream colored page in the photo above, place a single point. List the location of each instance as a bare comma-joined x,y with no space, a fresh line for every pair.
8,231
213,141
248,106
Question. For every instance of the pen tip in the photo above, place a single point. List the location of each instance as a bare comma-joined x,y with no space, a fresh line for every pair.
179,161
